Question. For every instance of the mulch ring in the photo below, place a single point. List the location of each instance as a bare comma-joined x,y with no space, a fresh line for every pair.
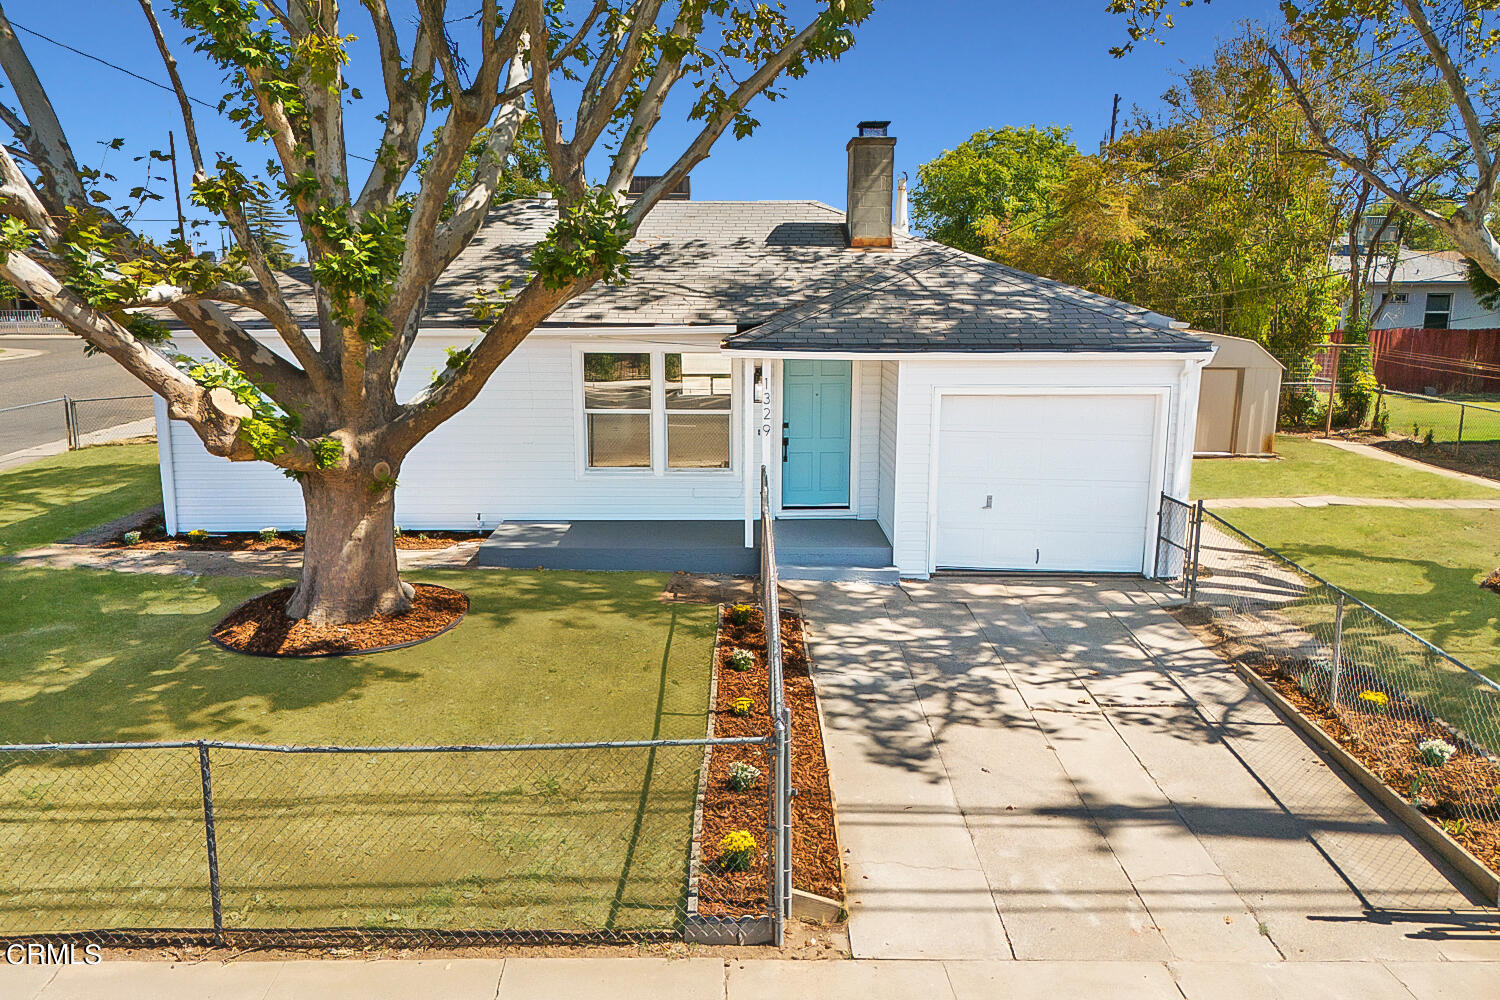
261,627
1460,796
154,538
816,866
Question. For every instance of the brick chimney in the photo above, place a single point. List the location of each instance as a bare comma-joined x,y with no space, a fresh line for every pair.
872,170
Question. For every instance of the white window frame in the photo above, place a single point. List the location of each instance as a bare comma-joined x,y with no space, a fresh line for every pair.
1447,313
658,412
729,414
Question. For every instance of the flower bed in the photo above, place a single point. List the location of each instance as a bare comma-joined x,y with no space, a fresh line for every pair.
1453,783
154,538
735,800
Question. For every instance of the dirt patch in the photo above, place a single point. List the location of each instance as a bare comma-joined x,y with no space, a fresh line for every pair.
260,626
816,866
1477,458
154,538
1461,796
708,588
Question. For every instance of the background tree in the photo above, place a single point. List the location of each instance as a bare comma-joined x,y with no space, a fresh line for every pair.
268,229
1001,173
324,407
1209,213
1442,167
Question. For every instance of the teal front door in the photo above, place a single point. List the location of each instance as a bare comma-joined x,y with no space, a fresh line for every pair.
815,449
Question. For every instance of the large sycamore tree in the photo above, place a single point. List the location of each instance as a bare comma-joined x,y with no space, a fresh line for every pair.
459,86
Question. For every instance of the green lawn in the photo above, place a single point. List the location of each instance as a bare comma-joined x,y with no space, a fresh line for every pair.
1421,567
560,840
1415,417
53,498
1309,468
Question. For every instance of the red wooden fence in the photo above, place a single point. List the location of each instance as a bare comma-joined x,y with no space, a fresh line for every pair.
1444,361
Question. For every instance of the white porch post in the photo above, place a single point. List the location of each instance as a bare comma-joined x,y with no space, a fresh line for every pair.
748,450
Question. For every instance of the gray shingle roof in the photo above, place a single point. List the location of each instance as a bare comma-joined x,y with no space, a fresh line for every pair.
782,267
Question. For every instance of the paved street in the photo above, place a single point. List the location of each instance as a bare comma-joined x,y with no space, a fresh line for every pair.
37,368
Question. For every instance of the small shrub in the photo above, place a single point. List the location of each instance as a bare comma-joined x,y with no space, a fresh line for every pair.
1313,681
1374,701
741,659
737,851
742,707
739,614
742,776
1381,422
1436,753
267,534
398,531
132,538
197,535
1456,827
1427,438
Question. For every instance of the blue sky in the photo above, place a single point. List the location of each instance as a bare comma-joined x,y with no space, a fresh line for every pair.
938,70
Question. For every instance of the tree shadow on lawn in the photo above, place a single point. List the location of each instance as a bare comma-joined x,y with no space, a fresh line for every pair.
97,656
1453,607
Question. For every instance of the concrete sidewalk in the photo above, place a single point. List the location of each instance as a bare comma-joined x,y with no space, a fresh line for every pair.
1044,769
734,979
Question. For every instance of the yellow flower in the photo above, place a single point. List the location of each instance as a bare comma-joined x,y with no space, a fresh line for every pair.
737,842
1377,698
743,706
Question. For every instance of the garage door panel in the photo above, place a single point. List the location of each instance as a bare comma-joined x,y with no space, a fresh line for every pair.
1067,479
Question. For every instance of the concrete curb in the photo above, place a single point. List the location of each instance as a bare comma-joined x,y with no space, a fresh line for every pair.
1484,881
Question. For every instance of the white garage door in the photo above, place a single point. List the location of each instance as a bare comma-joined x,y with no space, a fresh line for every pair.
1044,482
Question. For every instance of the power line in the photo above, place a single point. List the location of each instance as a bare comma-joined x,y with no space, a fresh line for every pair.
132,73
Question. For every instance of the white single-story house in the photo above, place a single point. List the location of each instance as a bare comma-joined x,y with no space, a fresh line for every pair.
916,408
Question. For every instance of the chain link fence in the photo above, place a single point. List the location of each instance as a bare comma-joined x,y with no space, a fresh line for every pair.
220,842
1421,720
78,421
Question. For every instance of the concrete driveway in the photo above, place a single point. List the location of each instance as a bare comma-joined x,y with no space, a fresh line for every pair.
1054,769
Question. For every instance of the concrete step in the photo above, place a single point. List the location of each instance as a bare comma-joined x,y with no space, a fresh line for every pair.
841,574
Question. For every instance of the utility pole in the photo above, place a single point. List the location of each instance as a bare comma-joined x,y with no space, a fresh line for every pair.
1114,119
176,187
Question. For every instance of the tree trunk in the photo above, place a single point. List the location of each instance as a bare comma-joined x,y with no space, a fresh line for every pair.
349,553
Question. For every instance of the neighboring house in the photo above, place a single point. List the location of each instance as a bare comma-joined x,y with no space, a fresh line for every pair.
1431,335
1427,289
915,408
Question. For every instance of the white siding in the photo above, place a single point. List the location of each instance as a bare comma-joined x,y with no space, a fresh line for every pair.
1467,313
920,382
886,505
510,455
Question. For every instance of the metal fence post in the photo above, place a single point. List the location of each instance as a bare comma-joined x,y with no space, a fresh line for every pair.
1195,546
1461,410
211,839
70,422
1338,649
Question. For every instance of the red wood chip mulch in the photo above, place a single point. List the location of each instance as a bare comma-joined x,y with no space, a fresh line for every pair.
1461,796
261,626
816,866
155,539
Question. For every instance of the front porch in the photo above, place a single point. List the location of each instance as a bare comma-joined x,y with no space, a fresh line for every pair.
824,548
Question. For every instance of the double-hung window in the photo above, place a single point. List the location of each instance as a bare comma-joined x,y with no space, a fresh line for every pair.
657,410
697,406
1439,310
617,408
